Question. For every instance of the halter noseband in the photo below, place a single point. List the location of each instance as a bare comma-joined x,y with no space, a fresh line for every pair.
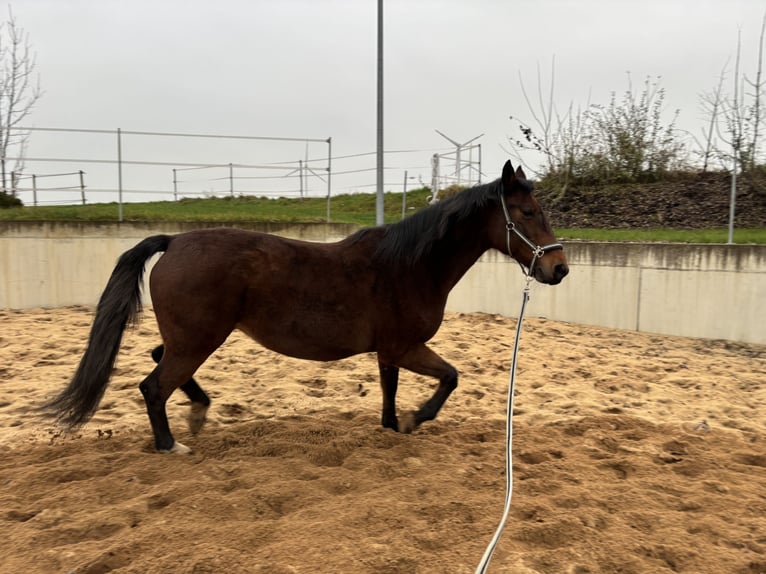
510,227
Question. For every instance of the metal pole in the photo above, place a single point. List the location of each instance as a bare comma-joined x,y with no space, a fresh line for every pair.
82,186
231,180
470,164
732,201
300,176
306,165
119,175
479,164
379,154
329,174
434,177
404,195
736,143
175,186
34,190
457,165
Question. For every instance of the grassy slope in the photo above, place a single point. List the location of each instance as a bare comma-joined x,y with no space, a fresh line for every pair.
358,209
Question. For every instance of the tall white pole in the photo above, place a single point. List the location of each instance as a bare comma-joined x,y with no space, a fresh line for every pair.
379,182
435,177
119,175
329,175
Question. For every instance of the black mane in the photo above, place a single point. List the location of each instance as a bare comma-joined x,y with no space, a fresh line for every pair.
407,241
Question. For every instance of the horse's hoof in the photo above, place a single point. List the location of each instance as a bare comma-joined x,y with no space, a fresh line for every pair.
407,423
197,417
177,448
390,423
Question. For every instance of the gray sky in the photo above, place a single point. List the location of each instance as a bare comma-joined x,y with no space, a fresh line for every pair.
306,69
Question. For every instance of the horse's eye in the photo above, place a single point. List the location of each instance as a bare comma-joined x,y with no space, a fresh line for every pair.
528,212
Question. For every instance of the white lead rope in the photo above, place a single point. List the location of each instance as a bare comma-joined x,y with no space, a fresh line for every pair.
484,564
537,254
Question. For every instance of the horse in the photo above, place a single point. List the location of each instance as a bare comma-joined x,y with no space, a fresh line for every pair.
382,289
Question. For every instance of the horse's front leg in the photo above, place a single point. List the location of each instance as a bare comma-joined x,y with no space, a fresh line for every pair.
389,383
424,361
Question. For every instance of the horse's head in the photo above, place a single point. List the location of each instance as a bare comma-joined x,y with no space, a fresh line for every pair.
521,229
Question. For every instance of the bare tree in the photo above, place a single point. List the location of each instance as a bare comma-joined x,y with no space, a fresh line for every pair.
19,92
757,86
711,104
742,114
554,135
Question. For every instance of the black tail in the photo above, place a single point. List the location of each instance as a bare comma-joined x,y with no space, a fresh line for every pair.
119,305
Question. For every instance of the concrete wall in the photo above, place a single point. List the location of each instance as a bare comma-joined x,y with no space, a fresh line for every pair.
55,264
712,291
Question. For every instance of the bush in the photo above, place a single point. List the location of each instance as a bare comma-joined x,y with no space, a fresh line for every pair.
7,201
624,141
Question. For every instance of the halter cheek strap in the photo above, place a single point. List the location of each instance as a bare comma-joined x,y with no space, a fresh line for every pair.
510,227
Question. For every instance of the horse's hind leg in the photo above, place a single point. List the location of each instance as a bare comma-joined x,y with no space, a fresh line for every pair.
172,372
200,402
155,400
389,382
424,361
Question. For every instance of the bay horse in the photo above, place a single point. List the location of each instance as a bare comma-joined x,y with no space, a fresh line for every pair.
382,289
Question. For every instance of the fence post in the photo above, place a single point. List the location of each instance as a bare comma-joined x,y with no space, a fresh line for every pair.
82,186
329,175
435,177
13,183
479,183
119,175
34,190
300,176
404,195
732,201
175,186
231,179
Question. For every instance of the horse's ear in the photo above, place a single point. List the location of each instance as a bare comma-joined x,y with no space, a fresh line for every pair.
508,175
520,173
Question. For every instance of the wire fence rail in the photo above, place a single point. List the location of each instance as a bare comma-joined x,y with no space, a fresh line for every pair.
132,165
17,179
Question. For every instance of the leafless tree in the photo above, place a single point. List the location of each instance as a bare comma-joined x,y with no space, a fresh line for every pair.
711,105
19,92
742,114
757,86
554,135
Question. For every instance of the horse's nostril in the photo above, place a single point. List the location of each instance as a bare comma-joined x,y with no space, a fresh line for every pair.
560,271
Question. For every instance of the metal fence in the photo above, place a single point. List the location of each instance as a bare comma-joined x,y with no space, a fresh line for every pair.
18,180
114,157
120,166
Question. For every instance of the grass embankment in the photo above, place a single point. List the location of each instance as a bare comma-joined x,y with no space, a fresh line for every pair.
718,235
357,209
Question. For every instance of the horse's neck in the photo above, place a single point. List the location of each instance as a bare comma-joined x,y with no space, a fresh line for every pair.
455,254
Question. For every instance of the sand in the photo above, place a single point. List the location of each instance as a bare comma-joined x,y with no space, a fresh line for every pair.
633,453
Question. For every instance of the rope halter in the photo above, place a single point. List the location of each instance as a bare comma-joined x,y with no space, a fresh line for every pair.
511,227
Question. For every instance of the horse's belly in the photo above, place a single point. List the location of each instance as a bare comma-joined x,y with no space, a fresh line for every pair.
311,337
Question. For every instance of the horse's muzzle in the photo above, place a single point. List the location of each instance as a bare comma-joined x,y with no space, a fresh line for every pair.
560,271
552,276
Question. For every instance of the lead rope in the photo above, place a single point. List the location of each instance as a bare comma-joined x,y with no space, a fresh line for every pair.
484,564
537,253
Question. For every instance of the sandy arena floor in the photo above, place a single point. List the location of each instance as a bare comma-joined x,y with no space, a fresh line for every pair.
633,453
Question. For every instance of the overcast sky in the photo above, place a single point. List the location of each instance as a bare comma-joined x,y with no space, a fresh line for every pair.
307,69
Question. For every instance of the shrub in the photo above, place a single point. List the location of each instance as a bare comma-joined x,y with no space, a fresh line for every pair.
7,201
